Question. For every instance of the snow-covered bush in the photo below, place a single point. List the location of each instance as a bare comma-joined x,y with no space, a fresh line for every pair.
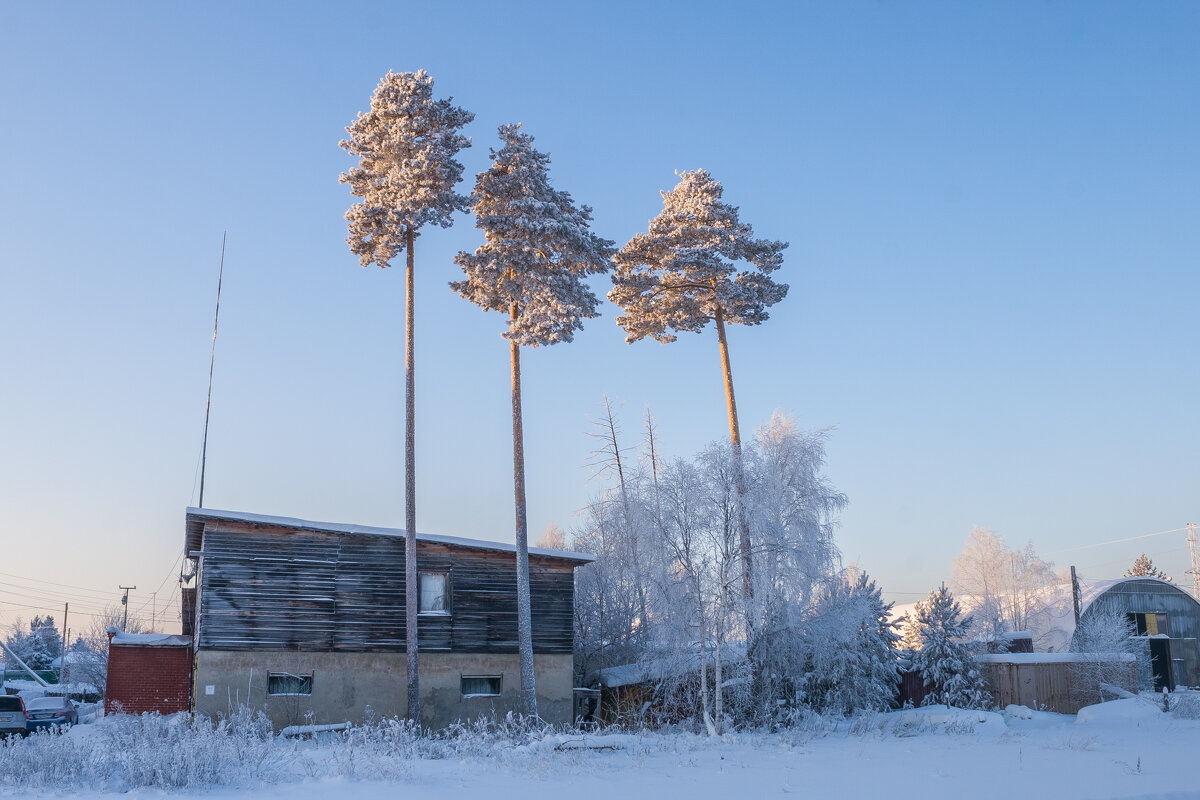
851,662
1185,705
128,752
946,666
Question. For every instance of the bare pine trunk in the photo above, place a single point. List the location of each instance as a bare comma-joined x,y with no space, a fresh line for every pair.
627,517
524,626
410,493
739,472
654,469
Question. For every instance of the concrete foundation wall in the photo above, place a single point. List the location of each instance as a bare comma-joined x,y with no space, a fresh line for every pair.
344,684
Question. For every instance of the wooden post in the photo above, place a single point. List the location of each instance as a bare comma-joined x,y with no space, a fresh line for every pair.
62,657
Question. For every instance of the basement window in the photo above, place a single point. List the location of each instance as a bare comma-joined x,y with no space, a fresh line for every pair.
286,684
480,685
434,593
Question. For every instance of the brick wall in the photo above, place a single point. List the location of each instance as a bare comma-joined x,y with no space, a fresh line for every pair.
148,679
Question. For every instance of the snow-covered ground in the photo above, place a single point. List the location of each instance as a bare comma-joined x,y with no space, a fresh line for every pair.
1124,749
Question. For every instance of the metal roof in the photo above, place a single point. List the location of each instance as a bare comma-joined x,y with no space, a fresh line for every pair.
197,517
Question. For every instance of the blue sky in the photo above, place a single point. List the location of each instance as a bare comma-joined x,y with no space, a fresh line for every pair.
992,211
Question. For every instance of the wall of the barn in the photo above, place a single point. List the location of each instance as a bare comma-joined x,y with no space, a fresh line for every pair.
344,684
273,589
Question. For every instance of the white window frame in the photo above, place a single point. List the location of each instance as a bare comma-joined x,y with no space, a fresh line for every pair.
445,610
299,678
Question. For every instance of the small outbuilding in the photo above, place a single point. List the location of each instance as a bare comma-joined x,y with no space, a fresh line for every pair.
1165,615
148,672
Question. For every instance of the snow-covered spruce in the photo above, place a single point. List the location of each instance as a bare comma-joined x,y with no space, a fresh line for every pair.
946,666
536,254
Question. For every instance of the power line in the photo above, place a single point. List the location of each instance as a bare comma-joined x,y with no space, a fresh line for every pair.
1117,541
106,592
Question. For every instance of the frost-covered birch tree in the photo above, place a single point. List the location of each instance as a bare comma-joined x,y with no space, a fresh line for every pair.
536,254
698,262
1004,589
406,178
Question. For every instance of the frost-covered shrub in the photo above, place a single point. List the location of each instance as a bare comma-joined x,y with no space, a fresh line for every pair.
849,639
150,750
1110,638
1185,705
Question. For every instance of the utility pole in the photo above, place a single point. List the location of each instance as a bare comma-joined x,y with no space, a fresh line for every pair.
1194,546
153,609
125,602
62,657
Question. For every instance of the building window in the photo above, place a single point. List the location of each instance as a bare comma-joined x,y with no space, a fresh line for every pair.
285,683
1149,624
434,593
480,685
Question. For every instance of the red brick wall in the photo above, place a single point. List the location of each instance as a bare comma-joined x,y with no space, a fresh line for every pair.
148,679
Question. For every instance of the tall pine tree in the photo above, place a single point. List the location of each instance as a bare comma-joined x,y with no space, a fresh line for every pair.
537,251
406,146
698,262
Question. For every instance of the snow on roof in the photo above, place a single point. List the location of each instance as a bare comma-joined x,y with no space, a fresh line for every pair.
652,670
1050,658
1055,630
150,639
198,515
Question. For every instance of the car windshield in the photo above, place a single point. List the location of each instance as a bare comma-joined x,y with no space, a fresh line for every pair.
10,703
44,703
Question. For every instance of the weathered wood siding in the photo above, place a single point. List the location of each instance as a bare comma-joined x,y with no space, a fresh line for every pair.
264,588
1046,686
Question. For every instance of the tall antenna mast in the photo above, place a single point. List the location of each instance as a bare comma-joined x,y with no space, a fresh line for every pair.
1194,546
211,360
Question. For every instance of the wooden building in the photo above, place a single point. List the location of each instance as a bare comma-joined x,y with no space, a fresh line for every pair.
1167,619
307,620
1059,682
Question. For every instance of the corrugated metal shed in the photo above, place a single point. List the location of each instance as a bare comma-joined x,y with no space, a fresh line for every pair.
1169,618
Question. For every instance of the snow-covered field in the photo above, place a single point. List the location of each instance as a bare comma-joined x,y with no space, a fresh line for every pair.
1123,749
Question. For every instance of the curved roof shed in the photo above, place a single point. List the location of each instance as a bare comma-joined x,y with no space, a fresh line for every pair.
1169,618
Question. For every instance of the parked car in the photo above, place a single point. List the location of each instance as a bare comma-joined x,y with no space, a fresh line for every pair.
50,712
12,715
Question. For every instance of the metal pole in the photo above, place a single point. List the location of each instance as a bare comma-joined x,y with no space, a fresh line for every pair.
212,359
1194,548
